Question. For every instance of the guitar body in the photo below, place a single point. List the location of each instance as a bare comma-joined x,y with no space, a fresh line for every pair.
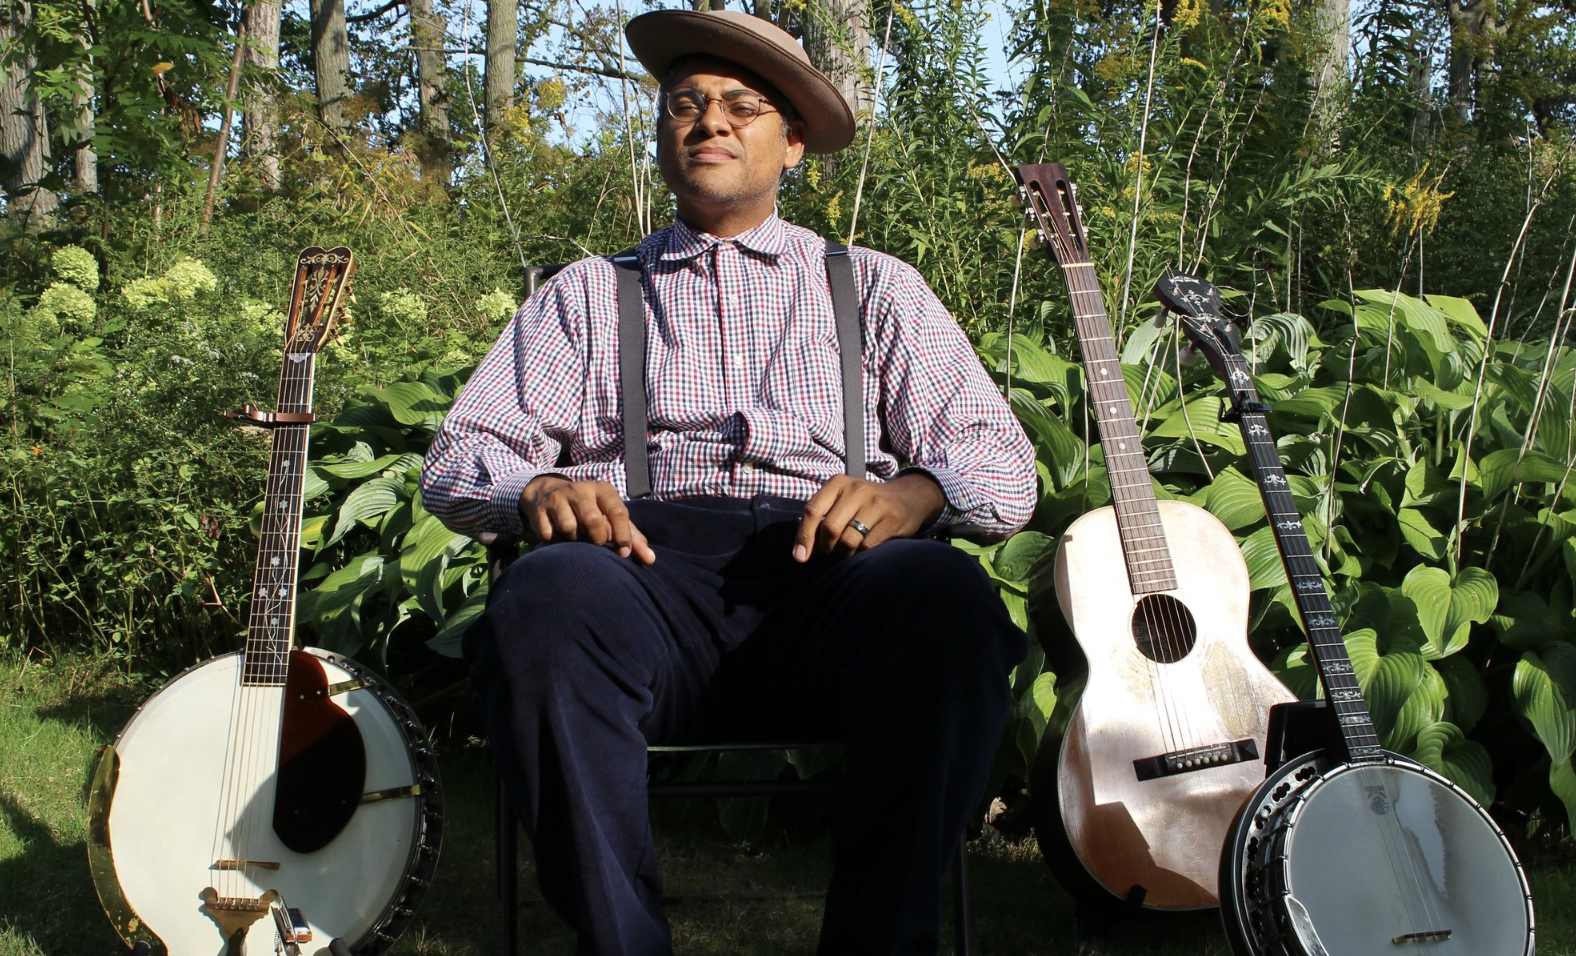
1155,687
162,784
1370,859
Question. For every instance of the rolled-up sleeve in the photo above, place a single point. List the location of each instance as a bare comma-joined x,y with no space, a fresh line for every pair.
508,424
940,410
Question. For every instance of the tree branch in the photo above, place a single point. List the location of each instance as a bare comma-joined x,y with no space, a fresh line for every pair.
364,17
582,68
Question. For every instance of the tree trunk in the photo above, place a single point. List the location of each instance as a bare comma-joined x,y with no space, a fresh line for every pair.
260,22
222,146
1473,30
1420,76
837,37
331,63
1334,23
24,136
503,31
427,33
85,160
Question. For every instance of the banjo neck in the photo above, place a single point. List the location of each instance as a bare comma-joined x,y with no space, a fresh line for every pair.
318,293
1197,304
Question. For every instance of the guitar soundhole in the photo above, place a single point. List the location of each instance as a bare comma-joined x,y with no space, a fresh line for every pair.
1163,628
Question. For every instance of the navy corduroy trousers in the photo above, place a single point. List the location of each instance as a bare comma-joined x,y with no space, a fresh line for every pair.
902,652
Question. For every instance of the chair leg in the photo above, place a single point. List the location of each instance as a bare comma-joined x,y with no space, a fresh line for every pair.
506,840
960,896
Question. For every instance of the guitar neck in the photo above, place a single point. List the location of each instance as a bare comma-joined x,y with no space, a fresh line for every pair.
1325,643
271,628
1144,546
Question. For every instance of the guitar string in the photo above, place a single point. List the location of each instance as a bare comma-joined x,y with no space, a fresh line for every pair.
1403,864
1162,626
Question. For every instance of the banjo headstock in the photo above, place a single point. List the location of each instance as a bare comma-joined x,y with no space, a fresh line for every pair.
321,288
1196,303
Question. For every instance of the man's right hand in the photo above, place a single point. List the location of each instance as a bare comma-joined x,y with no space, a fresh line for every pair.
557,509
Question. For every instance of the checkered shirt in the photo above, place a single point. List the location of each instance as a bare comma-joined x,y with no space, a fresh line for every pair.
744,387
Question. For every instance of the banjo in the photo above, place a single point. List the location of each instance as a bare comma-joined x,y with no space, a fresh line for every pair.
275,799
1350,850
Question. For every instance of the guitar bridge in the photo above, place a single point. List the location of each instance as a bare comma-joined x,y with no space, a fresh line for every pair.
1196,758
1427,936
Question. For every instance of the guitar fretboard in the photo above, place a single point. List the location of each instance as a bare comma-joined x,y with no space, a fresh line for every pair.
1325,643
271,626
1144,546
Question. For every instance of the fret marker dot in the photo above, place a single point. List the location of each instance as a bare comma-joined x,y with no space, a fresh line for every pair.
275,562
1105,371
1122,445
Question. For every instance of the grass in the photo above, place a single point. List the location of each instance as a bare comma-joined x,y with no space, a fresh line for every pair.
52,718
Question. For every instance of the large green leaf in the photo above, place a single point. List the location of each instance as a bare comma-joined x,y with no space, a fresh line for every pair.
1525,622
1418,531
1054,443
1544,689
1234,499
1312,403
1500,469
1562,780
1020,553
1466,695
366,501
1447,609
1200,419
447,640
1389,673
1444,748
1265,567
1425,486
1460,313
424,555
413,403
361,469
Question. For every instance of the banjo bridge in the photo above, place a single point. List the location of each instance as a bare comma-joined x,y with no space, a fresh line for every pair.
1427,936
1196,758
244,864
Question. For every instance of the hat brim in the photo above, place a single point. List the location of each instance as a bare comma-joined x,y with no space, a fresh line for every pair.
661,37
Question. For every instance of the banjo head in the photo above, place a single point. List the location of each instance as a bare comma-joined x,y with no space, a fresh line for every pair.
160,789
1388,858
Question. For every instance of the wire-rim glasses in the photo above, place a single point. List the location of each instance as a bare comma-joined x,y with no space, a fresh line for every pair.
740,108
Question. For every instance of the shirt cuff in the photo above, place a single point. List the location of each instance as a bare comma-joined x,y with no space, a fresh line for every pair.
504,505
956,491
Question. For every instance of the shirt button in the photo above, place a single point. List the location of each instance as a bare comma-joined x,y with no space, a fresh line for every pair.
746,467
738,361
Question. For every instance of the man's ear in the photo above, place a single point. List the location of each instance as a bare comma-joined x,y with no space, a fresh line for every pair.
793,134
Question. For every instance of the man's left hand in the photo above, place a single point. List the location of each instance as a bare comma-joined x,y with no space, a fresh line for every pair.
850,514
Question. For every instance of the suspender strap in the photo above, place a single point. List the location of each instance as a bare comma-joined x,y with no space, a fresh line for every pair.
632,364
632,372
850,345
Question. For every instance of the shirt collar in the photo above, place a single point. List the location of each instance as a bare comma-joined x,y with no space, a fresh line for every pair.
768,240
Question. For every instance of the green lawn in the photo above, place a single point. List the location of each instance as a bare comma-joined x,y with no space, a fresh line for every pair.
53,717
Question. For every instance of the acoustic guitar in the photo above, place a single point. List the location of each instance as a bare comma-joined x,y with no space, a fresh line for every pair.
1132,804
276,799
1348,849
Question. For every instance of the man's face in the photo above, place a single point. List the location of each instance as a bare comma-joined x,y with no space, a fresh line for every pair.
725,178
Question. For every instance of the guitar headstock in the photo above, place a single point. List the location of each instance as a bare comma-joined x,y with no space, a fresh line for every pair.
1196,303
1052,198
322,286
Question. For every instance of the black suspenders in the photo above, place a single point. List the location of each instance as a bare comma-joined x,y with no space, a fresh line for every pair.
632,364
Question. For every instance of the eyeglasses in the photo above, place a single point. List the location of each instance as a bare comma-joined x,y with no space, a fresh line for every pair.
740,108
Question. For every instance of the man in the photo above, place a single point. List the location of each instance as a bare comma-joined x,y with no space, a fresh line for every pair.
759,592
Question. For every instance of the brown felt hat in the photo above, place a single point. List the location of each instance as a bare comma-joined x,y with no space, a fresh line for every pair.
661,37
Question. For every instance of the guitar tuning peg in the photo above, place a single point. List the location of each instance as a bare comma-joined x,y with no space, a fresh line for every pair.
1073,187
